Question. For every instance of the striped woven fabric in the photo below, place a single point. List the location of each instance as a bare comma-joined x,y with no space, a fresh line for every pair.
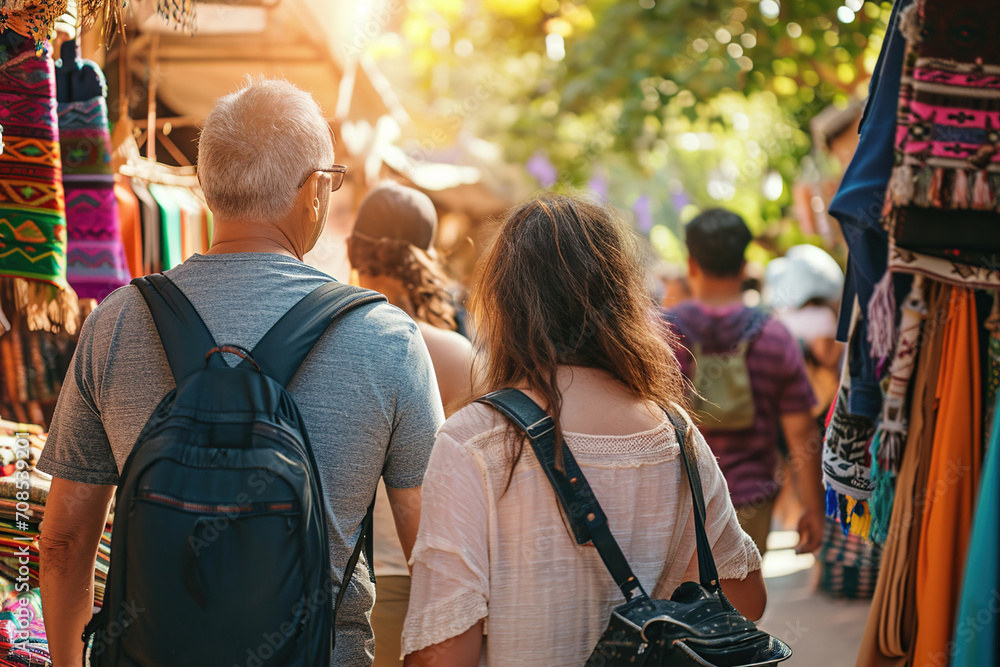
32,205
96,263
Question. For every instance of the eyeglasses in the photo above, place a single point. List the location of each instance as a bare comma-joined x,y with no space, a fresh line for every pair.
337,171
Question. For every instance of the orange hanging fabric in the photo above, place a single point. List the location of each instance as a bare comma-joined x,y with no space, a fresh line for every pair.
953,476
130,225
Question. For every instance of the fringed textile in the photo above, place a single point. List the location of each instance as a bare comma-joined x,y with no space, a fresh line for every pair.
32,18
181,13
37,18
947,150
46,307
894,408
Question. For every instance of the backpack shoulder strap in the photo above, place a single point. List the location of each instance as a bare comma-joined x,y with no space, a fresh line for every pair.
185,338
754,326
283,349
587,520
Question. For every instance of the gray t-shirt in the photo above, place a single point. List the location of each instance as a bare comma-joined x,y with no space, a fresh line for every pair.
367,394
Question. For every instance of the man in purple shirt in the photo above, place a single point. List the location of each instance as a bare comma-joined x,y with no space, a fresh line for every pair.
716,320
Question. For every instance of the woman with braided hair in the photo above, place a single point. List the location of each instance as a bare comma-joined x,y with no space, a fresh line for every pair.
391,248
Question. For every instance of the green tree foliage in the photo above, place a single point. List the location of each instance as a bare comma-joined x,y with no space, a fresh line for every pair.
709,98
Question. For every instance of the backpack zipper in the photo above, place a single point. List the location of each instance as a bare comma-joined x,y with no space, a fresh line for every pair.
284,507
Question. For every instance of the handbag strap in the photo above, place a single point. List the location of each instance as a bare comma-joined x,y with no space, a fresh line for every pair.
708,574
587,520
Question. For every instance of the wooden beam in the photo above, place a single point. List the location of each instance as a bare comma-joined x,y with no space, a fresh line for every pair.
175,152
124,77
154,74
176,121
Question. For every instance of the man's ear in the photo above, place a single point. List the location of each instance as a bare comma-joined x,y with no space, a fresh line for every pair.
314,203
693,269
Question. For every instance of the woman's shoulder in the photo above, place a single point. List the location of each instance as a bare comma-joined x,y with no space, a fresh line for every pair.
474,426
449,346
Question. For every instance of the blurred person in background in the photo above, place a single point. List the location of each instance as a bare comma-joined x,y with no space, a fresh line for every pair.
752,367
804,289
493,549
675,288
391,248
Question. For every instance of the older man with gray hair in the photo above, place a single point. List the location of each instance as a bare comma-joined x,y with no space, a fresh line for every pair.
366,392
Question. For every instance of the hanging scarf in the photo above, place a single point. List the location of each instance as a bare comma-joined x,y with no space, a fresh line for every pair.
975,629
992,365
96,264
32,209
846,456
891,627
953,476
887,444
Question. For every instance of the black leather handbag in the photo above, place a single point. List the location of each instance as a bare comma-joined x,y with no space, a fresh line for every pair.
697,626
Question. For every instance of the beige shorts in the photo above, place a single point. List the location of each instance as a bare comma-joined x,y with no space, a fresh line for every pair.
392,595
756,522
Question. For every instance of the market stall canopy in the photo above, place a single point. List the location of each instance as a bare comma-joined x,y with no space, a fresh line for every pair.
312,43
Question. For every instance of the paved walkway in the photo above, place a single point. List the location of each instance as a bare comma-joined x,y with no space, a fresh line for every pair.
822,631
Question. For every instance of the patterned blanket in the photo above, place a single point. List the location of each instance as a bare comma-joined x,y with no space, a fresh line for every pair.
948,146
32,207
96,257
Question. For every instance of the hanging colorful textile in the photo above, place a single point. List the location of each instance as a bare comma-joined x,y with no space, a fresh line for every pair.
170,220
37,18
32,209
887,445
892,622
96,263
849,564
947,155
976,620
846,454
180,13
952,481
130,224
992,365
31,18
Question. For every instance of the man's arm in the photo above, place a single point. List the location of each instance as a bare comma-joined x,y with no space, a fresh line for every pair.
405,505
75,515
805,446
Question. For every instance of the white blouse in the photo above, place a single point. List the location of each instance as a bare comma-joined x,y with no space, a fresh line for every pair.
486,550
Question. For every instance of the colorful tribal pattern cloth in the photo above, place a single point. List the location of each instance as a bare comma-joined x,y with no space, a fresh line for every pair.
32,208
31,18
948,146
96,264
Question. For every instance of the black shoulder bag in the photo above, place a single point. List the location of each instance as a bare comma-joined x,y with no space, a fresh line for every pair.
697,626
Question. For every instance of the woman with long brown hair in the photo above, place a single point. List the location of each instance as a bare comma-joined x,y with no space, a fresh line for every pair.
561,312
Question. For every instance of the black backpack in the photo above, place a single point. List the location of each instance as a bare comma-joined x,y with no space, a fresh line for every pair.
220,554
